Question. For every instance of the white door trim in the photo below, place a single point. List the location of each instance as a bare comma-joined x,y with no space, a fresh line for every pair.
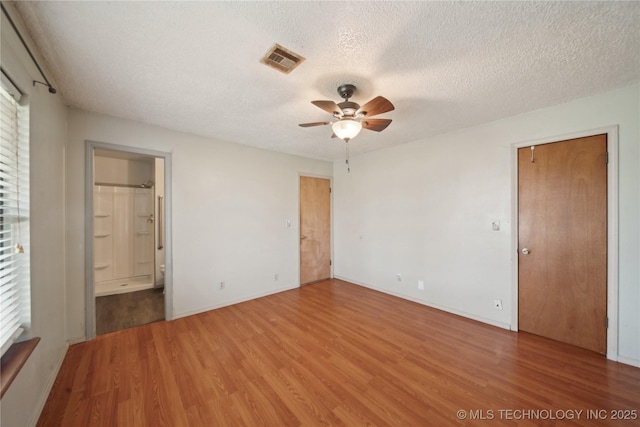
90,303
612,227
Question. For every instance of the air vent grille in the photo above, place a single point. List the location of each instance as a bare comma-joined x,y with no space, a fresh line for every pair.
282,59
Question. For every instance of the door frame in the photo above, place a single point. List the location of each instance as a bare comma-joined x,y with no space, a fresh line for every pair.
90,302
612,227
310,175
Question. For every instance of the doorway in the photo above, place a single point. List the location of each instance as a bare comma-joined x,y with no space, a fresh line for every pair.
315,229
127,251
565,238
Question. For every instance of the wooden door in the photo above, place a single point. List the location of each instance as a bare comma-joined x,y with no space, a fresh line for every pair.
562,239
315,229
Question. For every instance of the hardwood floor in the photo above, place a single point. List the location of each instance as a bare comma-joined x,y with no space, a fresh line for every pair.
338,354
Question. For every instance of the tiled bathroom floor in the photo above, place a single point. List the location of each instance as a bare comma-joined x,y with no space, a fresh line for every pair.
120,311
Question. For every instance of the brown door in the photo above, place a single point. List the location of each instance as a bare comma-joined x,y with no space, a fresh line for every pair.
562,239
315,229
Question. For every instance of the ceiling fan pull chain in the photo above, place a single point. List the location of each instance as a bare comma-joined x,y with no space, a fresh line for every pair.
347,160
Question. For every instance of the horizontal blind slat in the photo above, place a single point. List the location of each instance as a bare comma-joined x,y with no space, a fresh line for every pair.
7,282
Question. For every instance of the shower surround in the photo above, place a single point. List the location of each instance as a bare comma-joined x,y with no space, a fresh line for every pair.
123,238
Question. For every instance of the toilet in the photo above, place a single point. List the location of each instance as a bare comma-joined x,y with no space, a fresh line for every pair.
160,282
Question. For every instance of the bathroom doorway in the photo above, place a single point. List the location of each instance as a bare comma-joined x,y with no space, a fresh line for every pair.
127,232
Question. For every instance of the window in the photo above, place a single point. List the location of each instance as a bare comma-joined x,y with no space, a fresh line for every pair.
15,304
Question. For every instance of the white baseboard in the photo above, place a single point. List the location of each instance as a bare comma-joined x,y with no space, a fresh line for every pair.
77,340
429,304
629,361
44,395
234,301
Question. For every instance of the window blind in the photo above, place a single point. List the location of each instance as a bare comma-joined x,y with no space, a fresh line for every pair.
15,304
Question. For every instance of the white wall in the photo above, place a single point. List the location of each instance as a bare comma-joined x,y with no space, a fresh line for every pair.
22,403
230,204
425,209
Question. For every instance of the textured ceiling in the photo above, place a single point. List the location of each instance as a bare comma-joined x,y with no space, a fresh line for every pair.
194,66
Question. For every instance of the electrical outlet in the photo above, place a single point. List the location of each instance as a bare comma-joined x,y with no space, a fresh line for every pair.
495,225
421,285
497,303
275,276
399,277
222,285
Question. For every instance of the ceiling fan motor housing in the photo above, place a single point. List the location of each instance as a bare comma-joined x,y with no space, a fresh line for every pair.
346,91
349,108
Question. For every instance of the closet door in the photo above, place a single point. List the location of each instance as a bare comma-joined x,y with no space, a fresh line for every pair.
315,229
562,235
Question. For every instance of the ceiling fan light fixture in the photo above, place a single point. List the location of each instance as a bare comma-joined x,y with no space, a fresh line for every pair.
346,128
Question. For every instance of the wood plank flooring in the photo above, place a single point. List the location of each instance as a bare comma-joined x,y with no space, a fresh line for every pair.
334,353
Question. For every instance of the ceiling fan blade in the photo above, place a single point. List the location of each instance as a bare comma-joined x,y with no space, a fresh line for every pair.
328,106
308,125
375,124
377,105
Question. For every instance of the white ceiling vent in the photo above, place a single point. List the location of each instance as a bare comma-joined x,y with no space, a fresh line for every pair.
282,59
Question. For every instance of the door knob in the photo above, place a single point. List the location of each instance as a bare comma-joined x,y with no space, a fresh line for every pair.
525,251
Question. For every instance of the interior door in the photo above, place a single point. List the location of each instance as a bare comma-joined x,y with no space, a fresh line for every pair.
562,238
315,229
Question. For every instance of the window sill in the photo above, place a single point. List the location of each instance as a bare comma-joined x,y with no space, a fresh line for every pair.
13,360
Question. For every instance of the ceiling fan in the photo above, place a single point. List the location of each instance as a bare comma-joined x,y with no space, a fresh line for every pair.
351,117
